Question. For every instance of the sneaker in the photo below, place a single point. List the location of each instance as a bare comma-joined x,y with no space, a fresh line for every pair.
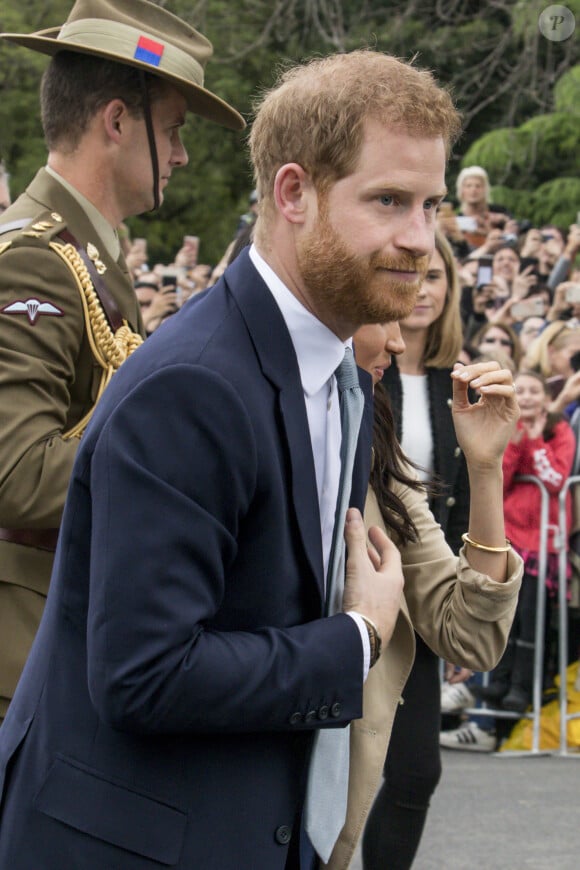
469,737
455,697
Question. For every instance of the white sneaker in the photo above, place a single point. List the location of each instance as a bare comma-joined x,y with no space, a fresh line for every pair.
455,697
470,737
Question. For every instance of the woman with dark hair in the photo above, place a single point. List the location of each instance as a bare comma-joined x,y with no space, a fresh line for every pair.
420,389
442,597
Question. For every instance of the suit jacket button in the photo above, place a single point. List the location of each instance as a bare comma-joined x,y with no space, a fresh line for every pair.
457,452
310,716
450,501
295,718
323,711
336,710
283,834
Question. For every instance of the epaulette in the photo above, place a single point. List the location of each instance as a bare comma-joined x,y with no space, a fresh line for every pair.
111,338
43,227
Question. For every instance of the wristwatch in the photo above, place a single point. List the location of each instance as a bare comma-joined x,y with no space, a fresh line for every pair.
375,640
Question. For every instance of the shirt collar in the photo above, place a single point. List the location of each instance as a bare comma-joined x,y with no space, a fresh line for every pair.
318,350
103,228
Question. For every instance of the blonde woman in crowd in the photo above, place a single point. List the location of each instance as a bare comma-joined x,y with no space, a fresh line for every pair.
555,354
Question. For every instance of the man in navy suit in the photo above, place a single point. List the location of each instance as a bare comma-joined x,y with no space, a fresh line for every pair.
166,713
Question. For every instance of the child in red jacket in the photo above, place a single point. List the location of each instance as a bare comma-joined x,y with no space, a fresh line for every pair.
543,445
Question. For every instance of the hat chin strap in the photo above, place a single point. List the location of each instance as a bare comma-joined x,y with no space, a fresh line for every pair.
150,139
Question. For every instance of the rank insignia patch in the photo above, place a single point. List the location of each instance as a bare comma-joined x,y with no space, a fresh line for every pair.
33,308
149,51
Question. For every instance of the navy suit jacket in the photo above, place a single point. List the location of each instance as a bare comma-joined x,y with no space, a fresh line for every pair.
166,712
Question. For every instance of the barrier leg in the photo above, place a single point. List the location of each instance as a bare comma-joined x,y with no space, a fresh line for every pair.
563,620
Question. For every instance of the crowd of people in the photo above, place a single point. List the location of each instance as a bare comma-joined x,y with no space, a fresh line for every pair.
162,288
520,304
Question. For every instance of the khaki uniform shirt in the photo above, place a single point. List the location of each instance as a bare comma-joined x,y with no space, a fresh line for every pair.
49,380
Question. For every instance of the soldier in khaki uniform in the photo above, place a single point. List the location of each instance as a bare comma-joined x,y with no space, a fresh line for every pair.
68,312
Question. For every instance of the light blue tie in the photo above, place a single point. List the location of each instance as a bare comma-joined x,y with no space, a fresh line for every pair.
327,788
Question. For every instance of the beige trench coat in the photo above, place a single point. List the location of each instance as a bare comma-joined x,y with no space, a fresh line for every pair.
463,616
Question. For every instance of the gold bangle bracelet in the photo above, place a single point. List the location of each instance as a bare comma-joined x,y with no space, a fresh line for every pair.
467,540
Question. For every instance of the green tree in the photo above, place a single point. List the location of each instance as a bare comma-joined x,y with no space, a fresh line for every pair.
537,164
502,72
21,140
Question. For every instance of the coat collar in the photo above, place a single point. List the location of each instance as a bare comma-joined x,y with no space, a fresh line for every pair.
51,195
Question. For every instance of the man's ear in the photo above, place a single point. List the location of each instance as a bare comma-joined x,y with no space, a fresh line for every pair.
114,116
293,192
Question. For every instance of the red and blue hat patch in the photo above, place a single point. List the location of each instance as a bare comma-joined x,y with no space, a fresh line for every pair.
149,51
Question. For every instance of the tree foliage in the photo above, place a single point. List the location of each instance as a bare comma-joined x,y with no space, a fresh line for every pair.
504,75
538,163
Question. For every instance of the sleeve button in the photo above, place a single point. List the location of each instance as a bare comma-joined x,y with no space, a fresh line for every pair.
295,718
323,711
282,834
336,710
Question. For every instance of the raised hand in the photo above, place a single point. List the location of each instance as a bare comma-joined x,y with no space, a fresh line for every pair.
484,428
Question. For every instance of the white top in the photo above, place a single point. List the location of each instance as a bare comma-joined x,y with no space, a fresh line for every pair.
417,440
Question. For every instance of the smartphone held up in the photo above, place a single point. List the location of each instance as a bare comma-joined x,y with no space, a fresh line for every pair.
573,294
528,308
484,271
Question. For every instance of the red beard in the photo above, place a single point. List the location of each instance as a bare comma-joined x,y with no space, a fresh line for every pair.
351,290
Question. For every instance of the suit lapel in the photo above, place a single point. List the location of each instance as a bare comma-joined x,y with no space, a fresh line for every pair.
304,493
362,466
277,357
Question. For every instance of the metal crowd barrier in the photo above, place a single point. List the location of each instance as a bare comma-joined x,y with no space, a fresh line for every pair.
537,690
561,543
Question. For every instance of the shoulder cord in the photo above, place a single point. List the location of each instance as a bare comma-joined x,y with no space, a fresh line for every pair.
109,348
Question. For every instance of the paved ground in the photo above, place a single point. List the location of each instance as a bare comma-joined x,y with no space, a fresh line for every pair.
493,812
